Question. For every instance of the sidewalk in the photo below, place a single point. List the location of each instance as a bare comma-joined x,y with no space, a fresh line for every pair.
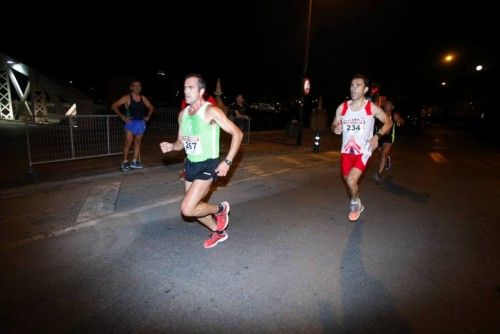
16,172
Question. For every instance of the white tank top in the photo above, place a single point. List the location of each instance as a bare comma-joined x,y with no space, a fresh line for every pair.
357,129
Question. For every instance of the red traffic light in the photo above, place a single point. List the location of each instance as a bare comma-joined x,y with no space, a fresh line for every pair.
307,86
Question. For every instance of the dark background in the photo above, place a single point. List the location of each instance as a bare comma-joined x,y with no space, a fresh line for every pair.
257,47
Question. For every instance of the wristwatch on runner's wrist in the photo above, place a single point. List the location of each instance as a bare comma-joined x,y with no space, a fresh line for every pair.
229,162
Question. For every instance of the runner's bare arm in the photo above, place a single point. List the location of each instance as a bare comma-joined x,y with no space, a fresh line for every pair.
337,124
383,118
398,119
217,115
116,107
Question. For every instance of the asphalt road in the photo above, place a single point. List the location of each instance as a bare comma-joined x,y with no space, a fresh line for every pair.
112,254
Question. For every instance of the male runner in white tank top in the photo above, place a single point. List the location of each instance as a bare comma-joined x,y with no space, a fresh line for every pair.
354,119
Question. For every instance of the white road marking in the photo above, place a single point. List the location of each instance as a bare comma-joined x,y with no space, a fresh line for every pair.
89,223
438,157
254,169
251,178
100,203
321,157
290,160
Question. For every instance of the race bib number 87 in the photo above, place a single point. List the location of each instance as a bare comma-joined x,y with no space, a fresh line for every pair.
192,145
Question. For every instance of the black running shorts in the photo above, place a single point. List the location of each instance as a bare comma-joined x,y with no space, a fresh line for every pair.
203,170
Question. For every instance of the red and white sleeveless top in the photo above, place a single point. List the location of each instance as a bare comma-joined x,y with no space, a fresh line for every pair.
357,129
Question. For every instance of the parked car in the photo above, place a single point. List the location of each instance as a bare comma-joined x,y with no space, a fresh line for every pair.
265,116
262,107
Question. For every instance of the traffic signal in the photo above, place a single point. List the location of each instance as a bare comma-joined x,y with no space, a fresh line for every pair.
307,86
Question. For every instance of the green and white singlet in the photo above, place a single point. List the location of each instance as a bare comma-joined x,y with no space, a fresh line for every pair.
200,138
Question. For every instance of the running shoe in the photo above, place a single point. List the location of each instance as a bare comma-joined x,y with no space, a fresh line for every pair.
356,209
222,218
136,165
125,167
214,239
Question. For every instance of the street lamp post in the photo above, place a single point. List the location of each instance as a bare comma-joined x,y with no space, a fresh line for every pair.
465,77
304,74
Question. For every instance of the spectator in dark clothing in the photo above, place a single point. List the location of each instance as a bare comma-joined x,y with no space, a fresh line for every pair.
237,113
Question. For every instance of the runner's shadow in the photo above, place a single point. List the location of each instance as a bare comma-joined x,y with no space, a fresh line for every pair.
395,189
366,305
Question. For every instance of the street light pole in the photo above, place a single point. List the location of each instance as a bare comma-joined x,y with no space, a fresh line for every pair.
306,55
306,61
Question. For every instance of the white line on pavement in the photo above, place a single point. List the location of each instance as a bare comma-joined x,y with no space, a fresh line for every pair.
438,157
89,223
101,202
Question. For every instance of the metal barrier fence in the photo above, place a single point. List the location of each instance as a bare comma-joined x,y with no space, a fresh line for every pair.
74,137
67,138
164,118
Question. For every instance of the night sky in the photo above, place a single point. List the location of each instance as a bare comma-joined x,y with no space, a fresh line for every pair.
257,47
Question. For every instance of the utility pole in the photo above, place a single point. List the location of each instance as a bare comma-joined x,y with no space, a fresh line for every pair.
304,74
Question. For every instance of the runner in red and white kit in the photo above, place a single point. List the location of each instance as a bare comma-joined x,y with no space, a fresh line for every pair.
355,120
